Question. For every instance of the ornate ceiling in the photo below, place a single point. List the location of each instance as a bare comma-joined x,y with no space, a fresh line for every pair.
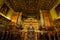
31,6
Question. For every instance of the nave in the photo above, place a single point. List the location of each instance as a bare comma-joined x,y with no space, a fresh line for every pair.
12,32
23,35
29,19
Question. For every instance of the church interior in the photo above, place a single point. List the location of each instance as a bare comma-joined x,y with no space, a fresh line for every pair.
29,19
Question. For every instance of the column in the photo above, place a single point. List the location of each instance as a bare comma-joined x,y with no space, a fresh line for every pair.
19,18
41,18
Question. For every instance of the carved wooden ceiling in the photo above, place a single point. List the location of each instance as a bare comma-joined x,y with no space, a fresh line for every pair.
31,6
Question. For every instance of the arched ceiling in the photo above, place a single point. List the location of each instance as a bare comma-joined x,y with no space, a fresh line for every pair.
31,6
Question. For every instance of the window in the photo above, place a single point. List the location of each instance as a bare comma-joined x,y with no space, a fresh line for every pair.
4,9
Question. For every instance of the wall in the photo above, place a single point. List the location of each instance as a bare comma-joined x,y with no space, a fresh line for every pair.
1,3
53,12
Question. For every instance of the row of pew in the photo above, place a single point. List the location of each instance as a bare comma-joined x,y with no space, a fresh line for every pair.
6,35
14,34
